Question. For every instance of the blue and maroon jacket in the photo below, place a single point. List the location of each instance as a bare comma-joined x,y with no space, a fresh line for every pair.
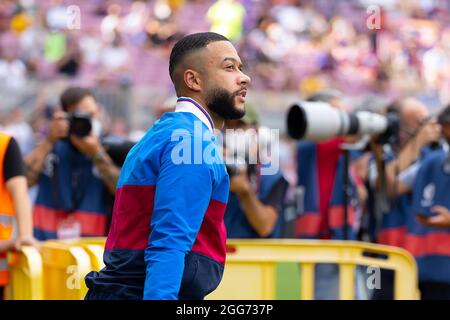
309,221
430,246
167,238
69,185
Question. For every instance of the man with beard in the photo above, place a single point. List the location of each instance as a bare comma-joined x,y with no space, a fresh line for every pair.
167,237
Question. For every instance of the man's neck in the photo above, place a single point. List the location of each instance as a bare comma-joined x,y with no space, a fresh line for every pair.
218,121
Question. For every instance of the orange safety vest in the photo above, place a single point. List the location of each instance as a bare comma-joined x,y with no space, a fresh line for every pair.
6,211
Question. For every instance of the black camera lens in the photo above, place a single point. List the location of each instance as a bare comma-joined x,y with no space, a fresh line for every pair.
80,124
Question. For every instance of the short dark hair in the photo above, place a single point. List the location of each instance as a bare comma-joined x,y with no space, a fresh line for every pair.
73,95
189,44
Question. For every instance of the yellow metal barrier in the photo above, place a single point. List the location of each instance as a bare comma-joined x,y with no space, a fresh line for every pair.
65,266
26,275
250,268
249,272
66,263
94,247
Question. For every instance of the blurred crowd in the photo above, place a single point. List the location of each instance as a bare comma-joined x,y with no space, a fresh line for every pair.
120,48
127,42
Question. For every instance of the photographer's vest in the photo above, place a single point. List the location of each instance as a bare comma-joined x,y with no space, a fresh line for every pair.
6,211
393,227
309,222
236,222
69,186
430,246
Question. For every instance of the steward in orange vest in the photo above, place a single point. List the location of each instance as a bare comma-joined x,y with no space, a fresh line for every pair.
14,203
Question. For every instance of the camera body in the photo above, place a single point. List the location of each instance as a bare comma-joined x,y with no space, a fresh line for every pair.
80,124
117,149
391,135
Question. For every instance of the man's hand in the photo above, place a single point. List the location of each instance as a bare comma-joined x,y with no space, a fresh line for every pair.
239,183
91,147
441,220
59,126
26,241
88,145
36,159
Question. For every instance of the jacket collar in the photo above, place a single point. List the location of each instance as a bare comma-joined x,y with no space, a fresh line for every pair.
186,104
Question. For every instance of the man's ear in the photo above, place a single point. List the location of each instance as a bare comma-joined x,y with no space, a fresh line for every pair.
192,80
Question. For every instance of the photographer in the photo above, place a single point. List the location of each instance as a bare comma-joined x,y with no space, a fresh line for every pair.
321,172
255,202
320,180
73,172
427,235
417,132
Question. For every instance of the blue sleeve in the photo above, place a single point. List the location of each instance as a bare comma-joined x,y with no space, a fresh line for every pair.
182,196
